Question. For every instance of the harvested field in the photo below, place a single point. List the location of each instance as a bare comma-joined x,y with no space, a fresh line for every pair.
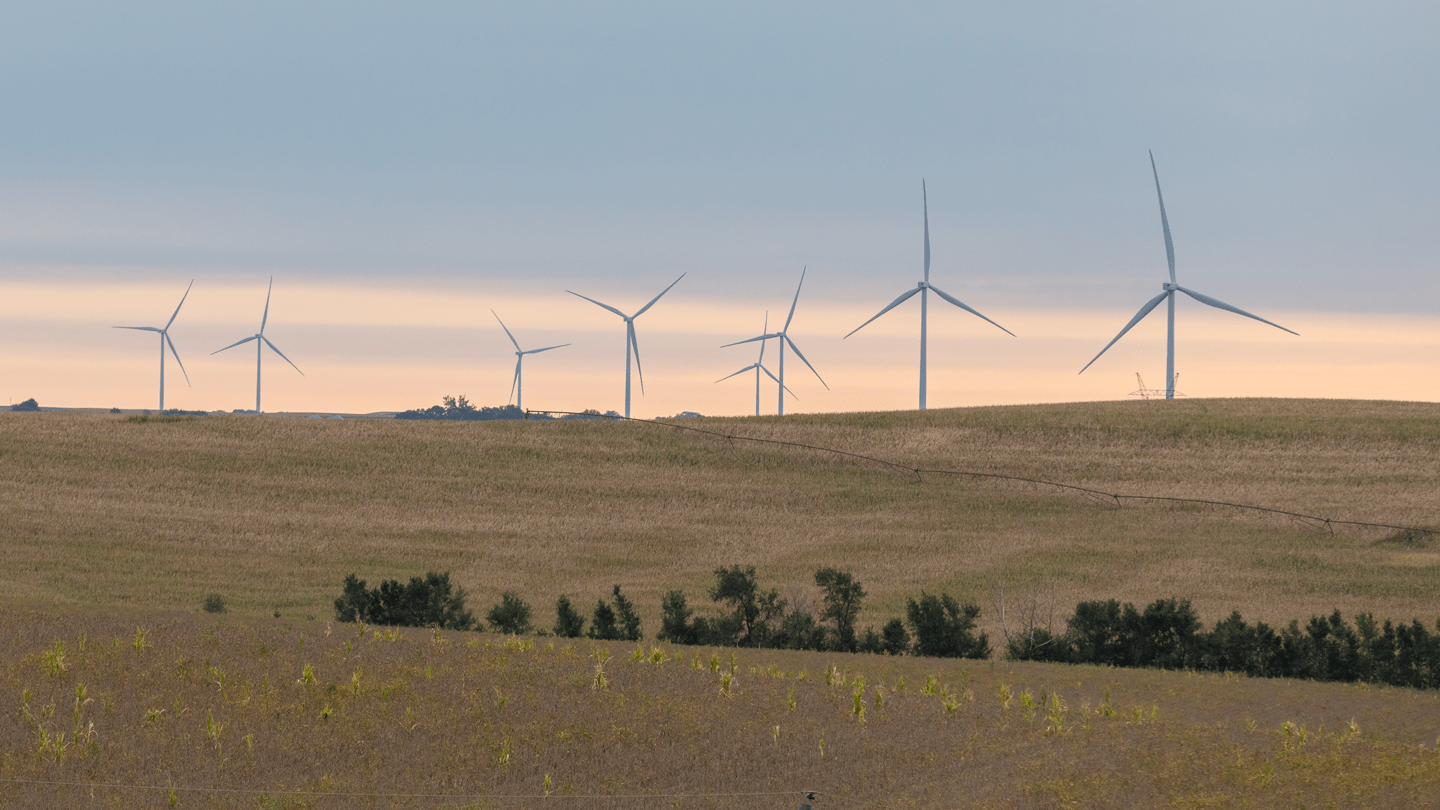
101,512
195,711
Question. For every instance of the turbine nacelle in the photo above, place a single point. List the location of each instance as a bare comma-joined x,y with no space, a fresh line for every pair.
1169,286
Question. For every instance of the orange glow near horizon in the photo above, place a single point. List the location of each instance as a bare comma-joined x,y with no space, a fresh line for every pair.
376,348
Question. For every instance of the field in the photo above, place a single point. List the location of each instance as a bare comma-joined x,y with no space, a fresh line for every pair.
103,512
122,693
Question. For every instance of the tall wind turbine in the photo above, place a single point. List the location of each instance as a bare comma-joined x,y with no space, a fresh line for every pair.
924,288
165,340
758,366
515,387
259,338
1169,288
630,342
784,338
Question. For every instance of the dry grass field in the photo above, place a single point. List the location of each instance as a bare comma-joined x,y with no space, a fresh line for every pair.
101,512
194,711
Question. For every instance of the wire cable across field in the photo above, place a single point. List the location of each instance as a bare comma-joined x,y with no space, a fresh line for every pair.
1115,499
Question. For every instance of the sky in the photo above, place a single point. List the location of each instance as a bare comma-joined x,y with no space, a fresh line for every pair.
402,170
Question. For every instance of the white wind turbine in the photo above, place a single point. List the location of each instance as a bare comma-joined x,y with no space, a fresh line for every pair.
165,340
784,338
924,288
259,338
1169,288
758,366
630,341
516,389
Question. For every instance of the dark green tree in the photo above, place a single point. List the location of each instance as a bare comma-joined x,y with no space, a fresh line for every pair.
675,624
510,615
625,615
843,597
568,621
944,628
751,611
602,623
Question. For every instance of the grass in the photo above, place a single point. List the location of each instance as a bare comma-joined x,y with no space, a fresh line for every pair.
103,512
207,711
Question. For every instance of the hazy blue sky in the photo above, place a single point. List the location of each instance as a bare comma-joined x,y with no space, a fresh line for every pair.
1296,142
522,149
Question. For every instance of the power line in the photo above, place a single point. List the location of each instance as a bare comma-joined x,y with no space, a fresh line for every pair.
1113,498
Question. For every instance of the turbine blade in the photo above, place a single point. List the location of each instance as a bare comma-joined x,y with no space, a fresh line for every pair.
1164,220
233,345
957,303
925,197
752,340
141,328
897,302
765,328
282,354
266,316
657,298
598,304
741,371
507,332
777,380
181,304
546,349
1218,304
796,301
636,344
796,349
171,343
514,381
1145,310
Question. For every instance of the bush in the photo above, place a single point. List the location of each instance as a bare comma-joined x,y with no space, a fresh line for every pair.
511,615
945,628
602,623
214,603
620,623
426,601
28,405
568,621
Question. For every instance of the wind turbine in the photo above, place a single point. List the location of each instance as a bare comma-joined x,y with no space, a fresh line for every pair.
259,338
515,388
1169,288
164,340
784,338
924,288
758,366
630,342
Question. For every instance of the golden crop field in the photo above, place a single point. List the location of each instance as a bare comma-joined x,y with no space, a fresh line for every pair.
104,512
192,711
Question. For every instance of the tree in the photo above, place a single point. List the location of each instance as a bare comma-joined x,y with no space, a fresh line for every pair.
426,601
944,628
568,621
28,405
843,597
751,611
511,615
675,625
602,623
628,619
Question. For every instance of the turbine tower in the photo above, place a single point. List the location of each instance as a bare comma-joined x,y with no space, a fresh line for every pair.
784,336
164,341
516,389
1169,288
758,366
924,288
259,338
630,341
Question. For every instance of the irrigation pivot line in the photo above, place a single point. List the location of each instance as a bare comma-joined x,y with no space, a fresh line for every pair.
165,340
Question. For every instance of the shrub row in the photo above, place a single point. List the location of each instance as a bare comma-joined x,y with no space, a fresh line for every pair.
1168,634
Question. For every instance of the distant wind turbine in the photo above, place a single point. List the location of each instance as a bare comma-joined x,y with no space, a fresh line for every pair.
924,287
784,336
758,366
1170,288
515,387
164,341
259,338
630,341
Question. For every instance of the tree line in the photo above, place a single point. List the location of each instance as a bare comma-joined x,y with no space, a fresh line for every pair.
1167,634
